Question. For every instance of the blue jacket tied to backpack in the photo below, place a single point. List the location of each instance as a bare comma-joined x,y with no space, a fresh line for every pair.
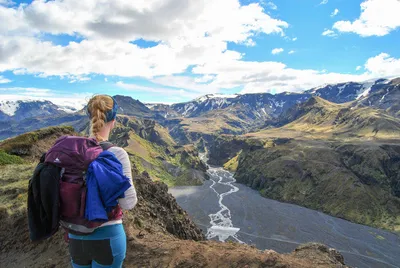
106,183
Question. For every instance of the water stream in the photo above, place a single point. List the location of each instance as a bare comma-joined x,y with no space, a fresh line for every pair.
227,211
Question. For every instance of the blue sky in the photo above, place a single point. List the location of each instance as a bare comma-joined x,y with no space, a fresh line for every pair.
165,51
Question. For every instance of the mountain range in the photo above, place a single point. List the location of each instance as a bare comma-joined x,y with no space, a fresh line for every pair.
233,114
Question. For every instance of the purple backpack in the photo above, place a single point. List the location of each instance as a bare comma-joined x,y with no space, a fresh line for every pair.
65,164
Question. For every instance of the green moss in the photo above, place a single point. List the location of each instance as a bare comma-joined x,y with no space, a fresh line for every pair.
6,159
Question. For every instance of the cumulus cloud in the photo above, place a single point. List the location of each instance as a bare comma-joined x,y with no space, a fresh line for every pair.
187,34
156,20
329,33
358,68
383,65
291,52
324,2
4,80
277,51
190,58
335,12
377,18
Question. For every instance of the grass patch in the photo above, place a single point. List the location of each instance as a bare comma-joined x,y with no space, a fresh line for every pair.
14,181
153,158
233,164
26,140
7,159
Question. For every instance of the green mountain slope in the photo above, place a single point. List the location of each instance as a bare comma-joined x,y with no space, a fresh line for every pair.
320,119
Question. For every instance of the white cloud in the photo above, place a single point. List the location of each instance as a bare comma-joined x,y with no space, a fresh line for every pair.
274,76
277,51
191,57
324,2
383,65
188,34
192,84
335,12
4,80
329,33
78,78
358,68
291,52
167,92
105,79
155,20
272,6
377,18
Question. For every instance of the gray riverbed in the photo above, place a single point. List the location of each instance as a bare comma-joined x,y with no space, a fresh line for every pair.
226,211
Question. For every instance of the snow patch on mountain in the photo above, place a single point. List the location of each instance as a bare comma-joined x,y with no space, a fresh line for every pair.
367,86
69,105
149,105
216,96
314,90
341,88
365,90
9,107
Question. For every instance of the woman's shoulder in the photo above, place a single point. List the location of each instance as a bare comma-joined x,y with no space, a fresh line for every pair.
119,152
117,149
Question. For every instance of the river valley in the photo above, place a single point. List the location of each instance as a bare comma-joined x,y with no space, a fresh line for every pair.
227,211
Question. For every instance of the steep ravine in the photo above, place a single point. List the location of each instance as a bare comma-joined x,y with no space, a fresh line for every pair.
354,181
231,212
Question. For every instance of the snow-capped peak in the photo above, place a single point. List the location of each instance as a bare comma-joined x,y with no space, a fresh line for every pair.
9,107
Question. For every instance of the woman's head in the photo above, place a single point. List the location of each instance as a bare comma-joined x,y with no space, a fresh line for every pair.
102,110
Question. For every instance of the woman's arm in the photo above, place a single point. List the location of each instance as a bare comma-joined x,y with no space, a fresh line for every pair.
130,199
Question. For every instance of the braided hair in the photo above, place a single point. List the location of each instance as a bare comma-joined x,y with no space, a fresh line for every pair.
98,107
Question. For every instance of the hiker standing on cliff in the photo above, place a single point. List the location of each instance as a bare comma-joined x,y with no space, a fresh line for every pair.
82,184
106,246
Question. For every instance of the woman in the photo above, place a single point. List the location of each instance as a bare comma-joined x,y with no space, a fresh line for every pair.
106,246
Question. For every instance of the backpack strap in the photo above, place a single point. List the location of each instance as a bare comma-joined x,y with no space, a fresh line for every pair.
105,145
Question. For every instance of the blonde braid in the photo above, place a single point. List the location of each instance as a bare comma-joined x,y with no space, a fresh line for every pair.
98,106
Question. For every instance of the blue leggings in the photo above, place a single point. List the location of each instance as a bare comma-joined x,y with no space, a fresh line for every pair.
106,247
